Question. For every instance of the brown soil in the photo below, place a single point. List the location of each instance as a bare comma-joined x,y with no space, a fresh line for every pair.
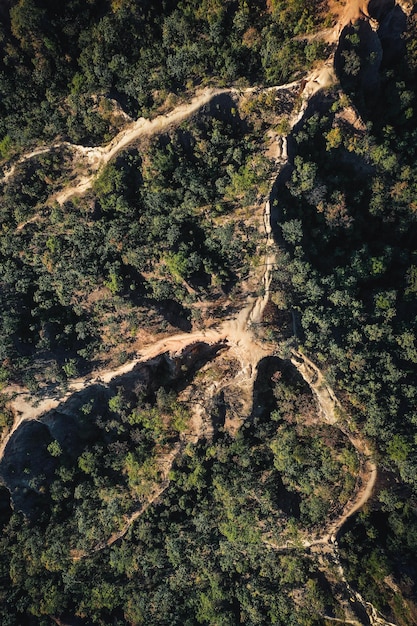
348,12
351,117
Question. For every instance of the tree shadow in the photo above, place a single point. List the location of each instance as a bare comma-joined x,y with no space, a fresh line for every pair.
366,59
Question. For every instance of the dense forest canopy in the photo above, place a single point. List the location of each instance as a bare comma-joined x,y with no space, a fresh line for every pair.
260,469
60,62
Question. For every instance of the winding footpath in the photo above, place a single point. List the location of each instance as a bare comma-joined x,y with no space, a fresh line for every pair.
236,333
330,411
96,157
325,545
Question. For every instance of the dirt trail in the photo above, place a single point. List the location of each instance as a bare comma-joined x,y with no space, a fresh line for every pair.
330,411
368,475
96,157
165,466
165,461
8,173
100,155
236,332
325,544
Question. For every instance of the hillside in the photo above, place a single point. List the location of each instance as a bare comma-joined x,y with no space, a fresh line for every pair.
208,299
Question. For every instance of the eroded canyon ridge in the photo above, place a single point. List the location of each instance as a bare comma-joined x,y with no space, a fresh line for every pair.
208,298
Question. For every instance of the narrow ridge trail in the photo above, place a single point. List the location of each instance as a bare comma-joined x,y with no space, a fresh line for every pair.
236,332
330,411
96,157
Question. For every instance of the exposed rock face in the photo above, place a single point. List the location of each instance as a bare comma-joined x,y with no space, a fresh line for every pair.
392,26
379,9
371,39
27,467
